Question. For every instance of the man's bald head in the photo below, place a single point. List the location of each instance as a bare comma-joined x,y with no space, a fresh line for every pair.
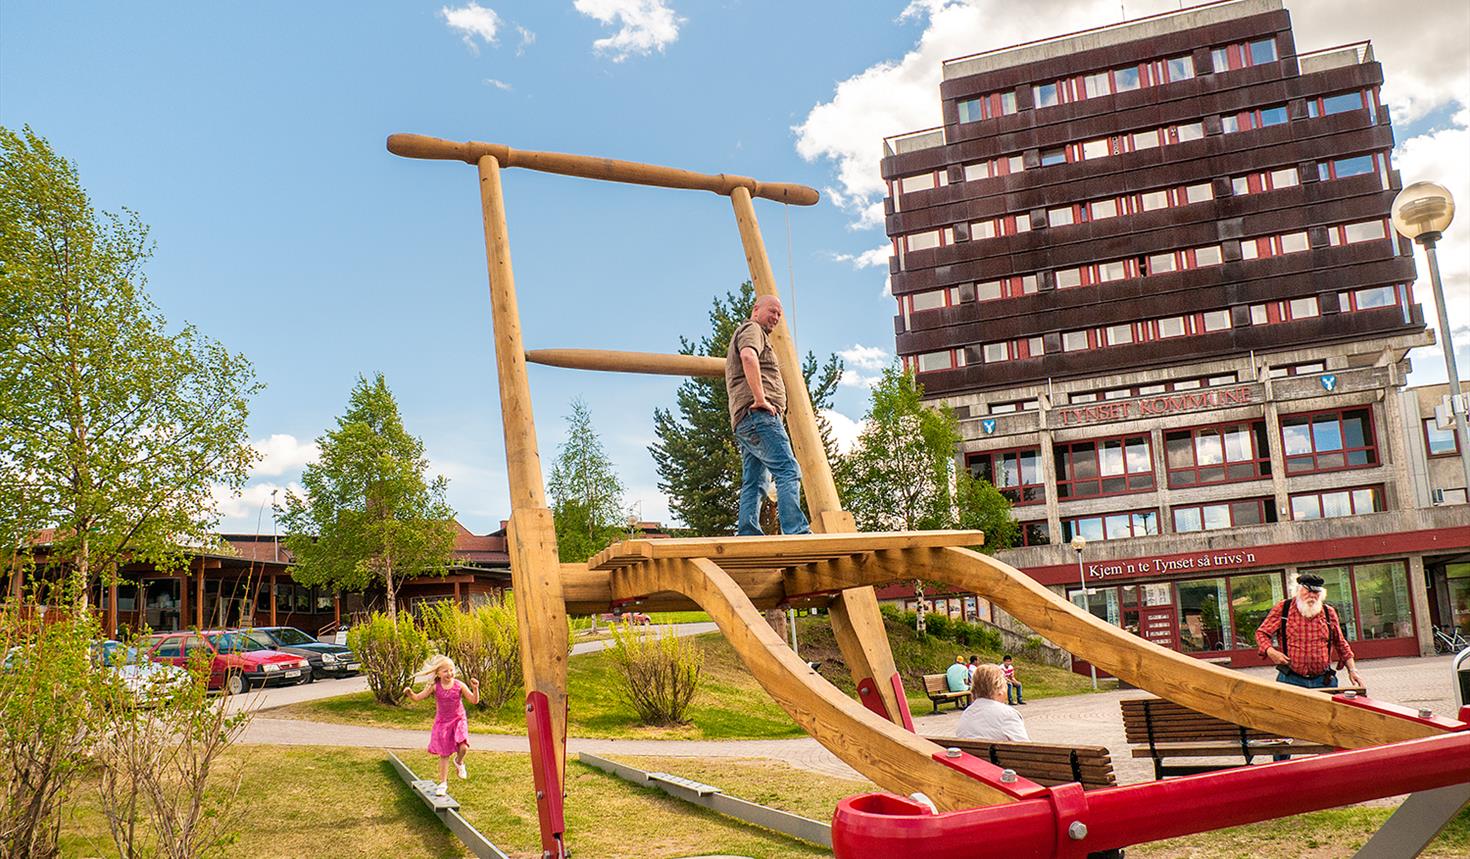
767,312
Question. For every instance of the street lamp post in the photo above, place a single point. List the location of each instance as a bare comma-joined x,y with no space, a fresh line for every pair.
1079,543
1422,212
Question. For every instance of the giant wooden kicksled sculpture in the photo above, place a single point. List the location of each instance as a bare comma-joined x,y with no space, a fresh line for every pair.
1389,750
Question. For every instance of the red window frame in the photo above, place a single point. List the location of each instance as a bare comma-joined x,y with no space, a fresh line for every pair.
1019,493
996,167
1259,462
1250,120
1454,441
1337,233
1262,181
1379,504
1010,287
1265,510
1273,246
956,361
1327,170
1403,293
1068,484
1311,418
1280,311
1016,350
1238,55
990,105
1367,100
1069,524
1035,533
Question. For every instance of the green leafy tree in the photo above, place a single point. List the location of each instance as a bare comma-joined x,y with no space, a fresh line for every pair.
899,476
981,507
113,431
697,460
586,495
369,516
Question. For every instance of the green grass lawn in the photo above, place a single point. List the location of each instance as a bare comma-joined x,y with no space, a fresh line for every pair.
661,617
729,704
309,801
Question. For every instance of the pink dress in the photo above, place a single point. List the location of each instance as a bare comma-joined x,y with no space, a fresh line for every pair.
451,726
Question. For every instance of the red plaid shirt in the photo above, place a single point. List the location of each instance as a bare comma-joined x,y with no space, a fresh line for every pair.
1309,641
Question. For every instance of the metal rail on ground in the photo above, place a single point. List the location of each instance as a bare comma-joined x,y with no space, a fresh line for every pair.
717,800
447,810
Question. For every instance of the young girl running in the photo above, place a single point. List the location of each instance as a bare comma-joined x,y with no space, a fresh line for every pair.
450,736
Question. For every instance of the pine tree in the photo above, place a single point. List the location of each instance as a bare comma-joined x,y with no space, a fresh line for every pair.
697,460
586,494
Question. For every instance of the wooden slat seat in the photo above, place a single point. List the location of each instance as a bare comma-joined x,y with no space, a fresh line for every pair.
775,552
1162,730
937,688
1043,763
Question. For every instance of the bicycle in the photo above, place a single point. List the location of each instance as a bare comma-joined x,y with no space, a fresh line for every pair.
1451,642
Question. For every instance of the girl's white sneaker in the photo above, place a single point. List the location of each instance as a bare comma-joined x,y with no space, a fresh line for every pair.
459,768
441,789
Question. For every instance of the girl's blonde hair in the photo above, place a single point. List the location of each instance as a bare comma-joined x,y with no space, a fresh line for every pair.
434,663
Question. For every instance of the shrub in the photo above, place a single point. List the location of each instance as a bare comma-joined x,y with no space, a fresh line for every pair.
47,721
483,642
660,672
160,779
391,653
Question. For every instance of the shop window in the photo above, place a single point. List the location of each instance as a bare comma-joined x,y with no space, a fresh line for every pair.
1383,600
1105,467
1440,442
1016,473
1217,454
1251,599
1203,614
1336,503
1328,441
1338,593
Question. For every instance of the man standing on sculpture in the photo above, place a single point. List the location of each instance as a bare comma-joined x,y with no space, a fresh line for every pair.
757,400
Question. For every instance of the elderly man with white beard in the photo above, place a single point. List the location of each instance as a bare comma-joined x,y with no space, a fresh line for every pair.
1309,633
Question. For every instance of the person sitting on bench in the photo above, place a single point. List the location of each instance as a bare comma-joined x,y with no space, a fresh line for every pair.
989,717
957,678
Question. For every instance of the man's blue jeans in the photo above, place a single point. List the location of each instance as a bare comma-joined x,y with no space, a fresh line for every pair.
764,448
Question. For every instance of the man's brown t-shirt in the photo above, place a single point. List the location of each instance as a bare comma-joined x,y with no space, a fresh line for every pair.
751,335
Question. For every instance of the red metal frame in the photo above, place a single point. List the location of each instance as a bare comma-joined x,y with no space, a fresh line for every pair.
546,775
903,702
1064,823
868,695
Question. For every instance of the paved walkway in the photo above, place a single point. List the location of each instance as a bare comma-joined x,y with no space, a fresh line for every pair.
1089,719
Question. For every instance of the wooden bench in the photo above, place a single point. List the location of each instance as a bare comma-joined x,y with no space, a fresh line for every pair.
1045,764
1162,729
937,688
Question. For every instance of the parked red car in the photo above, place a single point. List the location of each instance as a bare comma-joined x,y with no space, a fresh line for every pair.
237,661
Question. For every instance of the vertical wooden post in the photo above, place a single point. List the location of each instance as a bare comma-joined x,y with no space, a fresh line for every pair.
855,618
112,607
273,599
183,583
199,600
531,537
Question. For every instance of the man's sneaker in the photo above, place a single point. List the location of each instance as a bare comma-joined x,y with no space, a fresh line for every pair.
459,768
441,789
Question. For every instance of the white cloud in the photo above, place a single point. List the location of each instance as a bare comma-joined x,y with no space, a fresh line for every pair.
528,38
1443,155
845,430
498,84
249,511
866,357
644,26
875,258
472,22
282,453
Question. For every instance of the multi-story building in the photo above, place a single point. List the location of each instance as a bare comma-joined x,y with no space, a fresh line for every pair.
1151,268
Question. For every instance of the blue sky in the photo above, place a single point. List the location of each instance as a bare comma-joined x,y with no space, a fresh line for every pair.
250,137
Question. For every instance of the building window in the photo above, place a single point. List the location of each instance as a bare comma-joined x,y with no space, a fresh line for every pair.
1224,514
1035,534
1016,473
1270,180
1045,95
1335,503
1440,442
1243,55
929,361
1057,155
1204,608
1112,526
1372,600
1341,103
1012,350
1328,441
1273,312
1001,166
1249,120
1180,68
1011,287
921,182
1105,467
1217,454
987,106
1367,299
1342,168
1014,406
1363,231
1271,246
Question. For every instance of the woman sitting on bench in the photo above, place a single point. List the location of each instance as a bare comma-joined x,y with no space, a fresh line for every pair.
990,717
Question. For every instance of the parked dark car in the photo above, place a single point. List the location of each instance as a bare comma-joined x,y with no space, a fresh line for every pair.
236,661
327,660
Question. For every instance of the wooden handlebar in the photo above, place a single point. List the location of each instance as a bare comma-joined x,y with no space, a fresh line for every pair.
629,362
589,167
